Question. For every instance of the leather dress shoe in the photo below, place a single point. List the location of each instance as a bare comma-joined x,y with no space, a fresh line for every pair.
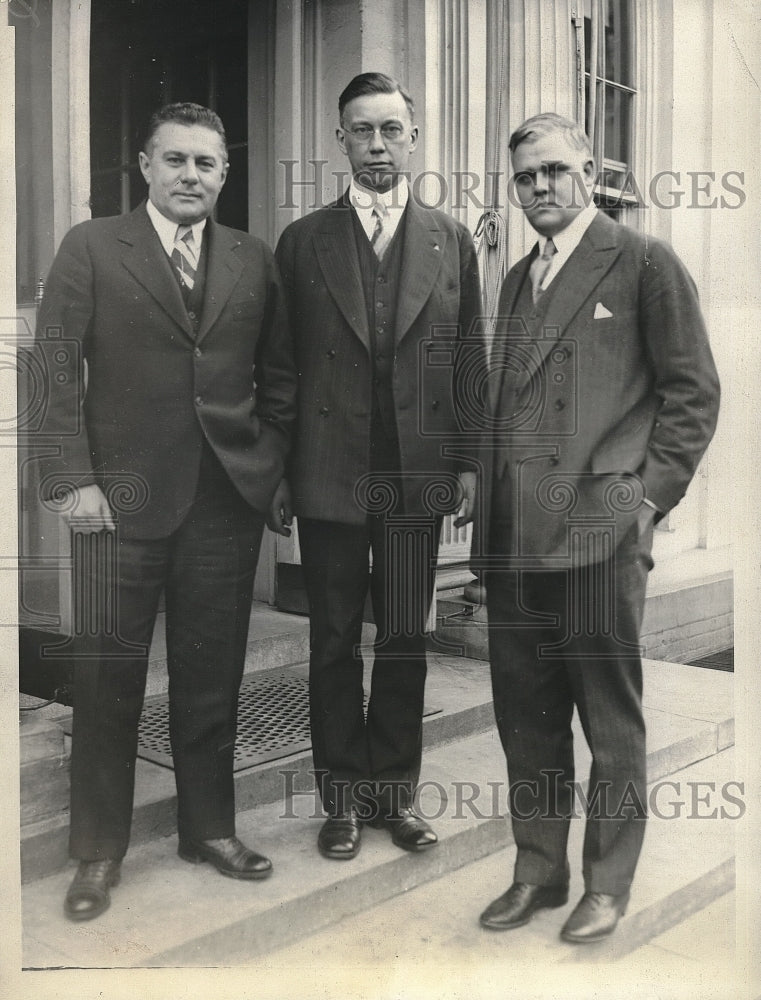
517,906
340,837
228,855
595,917
409,831
88,894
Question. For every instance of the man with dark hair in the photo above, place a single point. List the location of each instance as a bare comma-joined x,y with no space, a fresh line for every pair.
605,400
369,280
190,398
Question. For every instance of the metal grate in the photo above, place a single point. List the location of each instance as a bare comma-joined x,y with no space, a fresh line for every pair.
273,719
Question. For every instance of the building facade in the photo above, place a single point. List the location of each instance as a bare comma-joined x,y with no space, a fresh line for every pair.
664,87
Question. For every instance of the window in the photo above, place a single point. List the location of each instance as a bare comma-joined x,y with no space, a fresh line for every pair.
148,53
609,96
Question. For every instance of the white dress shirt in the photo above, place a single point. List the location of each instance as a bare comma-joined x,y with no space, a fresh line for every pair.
566,241
395,199
167,230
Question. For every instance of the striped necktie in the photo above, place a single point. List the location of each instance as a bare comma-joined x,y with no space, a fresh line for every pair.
185,257
380,238
539,269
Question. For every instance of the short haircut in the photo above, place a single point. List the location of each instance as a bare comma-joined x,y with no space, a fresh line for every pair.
549,124
374,83
185,113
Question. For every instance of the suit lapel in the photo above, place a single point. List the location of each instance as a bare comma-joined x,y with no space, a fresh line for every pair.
223,269
424,248
504,327
144,258
336,252
578,278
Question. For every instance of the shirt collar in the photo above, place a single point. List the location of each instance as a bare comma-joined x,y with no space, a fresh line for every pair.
569,238
395,199
167,230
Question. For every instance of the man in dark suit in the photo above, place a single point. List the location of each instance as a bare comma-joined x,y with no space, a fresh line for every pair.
605,397
369,281
173,456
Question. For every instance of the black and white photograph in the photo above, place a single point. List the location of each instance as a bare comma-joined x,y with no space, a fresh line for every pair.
382,536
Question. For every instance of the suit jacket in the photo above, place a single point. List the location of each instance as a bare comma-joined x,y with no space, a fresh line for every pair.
614,397
436,345
155,388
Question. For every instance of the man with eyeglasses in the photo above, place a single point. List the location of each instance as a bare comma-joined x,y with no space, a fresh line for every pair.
369,279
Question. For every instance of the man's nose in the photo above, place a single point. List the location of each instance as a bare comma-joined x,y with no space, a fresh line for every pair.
377,142
189,172
541,182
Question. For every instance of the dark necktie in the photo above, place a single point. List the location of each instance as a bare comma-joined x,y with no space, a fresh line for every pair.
539,269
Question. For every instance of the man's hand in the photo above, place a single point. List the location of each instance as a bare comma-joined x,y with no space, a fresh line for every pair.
280,517
468,501
87,510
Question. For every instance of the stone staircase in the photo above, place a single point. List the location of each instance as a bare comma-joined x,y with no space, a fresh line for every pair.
168,913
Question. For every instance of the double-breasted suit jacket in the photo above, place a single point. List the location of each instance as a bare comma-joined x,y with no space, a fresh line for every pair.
438,301
159,379
611,397
344,379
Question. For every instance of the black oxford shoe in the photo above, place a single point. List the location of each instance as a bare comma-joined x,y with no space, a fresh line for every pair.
409,831
595,917
340,837
228,855
88,894
517,906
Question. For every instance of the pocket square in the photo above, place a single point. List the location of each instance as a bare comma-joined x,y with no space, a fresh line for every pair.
601,312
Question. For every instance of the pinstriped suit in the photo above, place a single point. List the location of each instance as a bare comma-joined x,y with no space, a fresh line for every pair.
607,393
338,444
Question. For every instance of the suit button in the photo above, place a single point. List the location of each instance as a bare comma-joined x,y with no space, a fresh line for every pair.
435,404
554,460
381,279
199,400
192,314
379,304
324,411
198,352
559,404
331,354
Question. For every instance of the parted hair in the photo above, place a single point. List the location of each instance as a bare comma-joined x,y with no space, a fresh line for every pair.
373,83
185,113
547,124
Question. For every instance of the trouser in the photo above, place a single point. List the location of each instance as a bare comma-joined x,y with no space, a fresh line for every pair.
372,761
561,639
206,570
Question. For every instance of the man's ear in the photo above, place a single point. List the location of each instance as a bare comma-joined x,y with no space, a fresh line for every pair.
414,134
145,165
590,169
341,140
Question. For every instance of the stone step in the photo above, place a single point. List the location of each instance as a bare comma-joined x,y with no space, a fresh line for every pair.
458,691
275,639
686,617
430,935
463,793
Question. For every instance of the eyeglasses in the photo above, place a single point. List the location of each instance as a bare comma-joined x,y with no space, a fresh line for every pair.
363,133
